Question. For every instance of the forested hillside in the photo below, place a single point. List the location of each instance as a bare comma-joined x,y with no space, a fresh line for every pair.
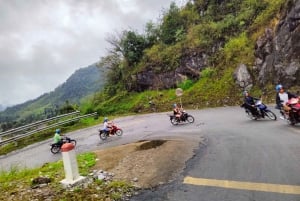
65,98
213,49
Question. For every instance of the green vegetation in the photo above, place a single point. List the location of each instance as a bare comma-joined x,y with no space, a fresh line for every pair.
186,84
239,50
19,184
225,30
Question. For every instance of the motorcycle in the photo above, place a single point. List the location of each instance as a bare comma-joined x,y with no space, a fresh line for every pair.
293,116
185,117
55,148
262,111
115,130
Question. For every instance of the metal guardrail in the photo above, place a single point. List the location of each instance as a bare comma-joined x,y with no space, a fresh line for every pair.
21,136
9,132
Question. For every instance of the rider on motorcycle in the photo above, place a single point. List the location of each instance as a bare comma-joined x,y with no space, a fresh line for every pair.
177,111
249,103
106,125
57,137
282,98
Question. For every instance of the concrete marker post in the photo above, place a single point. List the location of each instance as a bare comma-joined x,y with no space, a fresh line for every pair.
72,176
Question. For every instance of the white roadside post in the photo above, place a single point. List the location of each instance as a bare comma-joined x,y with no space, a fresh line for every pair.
179,93
72,176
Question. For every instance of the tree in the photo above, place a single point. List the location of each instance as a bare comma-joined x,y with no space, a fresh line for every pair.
151,34
133,46
127,49
66,108
171,24
114,74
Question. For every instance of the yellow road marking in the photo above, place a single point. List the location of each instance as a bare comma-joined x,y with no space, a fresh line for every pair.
274,188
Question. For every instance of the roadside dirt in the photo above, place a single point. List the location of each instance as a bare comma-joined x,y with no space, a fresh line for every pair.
148,163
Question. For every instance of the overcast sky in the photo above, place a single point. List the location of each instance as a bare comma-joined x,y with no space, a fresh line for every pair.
42,42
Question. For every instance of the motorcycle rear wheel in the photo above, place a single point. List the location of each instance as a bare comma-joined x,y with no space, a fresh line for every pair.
103,135
55,149
190,119
174,121
119,132
270,115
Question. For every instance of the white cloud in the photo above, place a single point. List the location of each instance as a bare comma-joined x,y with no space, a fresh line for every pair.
42,42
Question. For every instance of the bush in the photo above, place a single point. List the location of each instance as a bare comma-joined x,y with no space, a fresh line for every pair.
186,84
207,72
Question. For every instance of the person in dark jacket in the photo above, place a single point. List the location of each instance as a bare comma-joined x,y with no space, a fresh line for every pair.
249,103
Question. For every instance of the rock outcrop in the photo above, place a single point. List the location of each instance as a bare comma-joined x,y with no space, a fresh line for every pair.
242,77
190,66
277,60
278,52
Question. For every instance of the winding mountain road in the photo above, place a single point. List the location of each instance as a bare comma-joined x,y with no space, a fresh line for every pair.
242,159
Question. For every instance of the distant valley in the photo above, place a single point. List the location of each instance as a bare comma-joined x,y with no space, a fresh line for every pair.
82,83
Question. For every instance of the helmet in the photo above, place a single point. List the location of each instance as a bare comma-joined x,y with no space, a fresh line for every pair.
57,131
245,92
105,119
174,105
278,87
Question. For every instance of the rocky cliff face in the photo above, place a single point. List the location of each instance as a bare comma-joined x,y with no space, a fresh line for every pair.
277,59
277,52
190,66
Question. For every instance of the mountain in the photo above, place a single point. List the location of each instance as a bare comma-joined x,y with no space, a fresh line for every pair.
82,83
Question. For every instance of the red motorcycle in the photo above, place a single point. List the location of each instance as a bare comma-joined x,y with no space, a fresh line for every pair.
293,116
115,130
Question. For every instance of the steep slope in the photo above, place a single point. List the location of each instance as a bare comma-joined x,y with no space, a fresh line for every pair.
211,49
276,53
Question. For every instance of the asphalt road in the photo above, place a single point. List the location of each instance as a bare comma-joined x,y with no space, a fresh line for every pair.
138,127
241,160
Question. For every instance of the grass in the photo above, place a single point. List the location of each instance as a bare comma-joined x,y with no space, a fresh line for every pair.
16,184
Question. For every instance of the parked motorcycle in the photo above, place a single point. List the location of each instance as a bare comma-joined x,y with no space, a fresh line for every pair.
115,130
262,111
55,148
293,116
185,117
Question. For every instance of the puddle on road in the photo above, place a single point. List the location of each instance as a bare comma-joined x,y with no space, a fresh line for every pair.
150,144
